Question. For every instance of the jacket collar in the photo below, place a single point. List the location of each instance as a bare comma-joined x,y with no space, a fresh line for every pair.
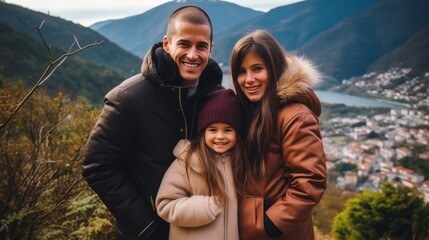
159,67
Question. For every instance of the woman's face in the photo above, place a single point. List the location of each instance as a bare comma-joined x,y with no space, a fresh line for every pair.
253,77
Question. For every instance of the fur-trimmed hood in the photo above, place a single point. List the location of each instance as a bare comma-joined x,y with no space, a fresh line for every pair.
298,82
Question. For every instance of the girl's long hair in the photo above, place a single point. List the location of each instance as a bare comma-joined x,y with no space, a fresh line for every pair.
263,114
212,175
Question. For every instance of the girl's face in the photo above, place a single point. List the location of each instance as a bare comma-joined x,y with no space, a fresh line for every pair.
220,137
253,77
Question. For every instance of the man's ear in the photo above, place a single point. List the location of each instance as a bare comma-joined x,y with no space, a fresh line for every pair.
165,44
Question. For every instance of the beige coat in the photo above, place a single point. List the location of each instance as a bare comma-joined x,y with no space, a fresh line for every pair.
184,202
295,178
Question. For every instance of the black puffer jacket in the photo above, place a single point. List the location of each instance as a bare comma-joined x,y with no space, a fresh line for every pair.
131,145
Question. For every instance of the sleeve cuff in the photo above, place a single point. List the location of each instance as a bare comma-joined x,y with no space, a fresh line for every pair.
270,228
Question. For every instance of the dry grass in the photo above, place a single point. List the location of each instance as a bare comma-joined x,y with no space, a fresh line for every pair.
320,236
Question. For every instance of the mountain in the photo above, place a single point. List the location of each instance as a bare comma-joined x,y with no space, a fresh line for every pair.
96,26
138,33
23,59
90,73
350,47
345,38
60,33
414,53
293,25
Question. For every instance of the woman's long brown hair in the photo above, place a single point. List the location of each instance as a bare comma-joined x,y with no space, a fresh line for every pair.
262,114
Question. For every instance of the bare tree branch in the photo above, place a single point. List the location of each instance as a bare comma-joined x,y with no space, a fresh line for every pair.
51,68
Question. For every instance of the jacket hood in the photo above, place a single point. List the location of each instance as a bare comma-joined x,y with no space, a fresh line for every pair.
155,61
180,151
298,82
180,148
160,68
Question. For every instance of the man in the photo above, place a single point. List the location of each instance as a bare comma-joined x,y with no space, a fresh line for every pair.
130,147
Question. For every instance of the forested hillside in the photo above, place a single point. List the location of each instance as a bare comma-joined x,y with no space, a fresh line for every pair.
61,33
23,59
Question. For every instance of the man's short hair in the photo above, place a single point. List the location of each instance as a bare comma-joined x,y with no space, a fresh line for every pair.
192,14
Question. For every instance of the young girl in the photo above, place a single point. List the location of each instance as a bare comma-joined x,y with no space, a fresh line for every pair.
197,195
285,157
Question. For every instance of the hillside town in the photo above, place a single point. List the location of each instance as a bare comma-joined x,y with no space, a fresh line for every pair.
375,144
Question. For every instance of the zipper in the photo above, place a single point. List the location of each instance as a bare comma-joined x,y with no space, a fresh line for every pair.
194,111
225,216
147,227
152,203
183,113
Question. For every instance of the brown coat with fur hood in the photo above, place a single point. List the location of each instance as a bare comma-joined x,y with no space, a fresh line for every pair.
295,170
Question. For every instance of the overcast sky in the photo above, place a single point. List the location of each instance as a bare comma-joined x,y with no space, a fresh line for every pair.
87,12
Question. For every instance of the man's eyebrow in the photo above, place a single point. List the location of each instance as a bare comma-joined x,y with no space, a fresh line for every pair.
183,41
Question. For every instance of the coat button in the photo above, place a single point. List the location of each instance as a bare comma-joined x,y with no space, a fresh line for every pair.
181,130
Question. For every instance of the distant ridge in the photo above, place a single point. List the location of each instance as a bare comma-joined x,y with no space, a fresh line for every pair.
60,33
139,32
293,25
90,73
22,59
350,47
96,26
344,38
414,53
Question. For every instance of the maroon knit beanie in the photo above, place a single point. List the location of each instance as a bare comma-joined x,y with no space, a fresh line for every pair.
221,106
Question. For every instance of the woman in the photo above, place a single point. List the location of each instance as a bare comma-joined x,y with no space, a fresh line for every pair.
286,171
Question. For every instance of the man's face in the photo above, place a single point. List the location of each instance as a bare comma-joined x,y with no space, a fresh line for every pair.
190,48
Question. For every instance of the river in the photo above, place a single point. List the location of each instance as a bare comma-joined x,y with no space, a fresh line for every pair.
348,100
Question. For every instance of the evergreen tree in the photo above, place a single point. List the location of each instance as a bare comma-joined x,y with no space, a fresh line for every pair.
392,213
